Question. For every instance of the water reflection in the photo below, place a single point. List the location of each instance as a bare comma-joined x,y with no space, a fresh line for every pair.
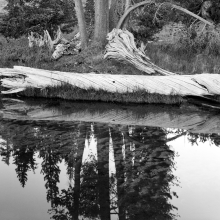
120,170
112,169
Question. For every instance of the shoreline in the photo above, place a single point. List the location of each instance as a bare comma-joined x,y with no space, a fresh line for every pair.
72,93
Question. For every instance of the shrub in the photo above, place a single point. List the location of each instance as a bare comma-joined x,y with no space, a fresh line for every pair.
38,15
200,40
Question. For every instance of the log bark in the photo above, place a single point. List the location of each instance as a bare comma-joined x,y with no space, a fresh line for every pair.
20,78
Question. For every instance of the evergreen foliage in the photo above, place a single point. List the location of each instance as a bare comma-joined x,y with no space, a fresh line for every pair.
33,15
195,7
143,23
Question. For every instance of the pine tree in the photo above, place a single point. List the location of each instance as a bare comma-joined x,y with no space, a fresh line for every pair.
37,15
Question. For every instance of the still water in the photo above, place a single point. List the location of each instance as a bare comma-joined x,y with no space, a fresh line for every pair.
62,161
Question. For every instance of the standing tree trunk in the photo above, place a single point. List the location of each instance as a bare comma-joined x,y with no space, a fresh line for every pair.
101,21
81,22
127,4
112,17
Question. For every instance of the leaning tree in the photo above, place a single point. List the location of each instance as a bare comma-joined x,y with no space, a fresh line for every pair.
111,14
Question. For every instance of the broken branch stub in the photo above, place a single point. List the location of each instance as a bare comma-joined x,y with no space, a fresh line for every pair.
59,46
121,46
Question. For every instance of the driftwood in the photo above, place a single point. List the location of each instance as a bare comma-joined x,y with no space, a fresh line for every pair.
58,46
38,40
121,46
19,78
166,117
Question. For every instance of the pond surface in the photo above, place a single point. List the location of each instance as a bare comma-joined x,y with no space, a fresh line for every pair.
62,161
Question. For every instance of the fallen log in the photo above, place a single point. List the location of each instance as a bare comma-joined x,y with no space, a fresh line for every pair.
19,78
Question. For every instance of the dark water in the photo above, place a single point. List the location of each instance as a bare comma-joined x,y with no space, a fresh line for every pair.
74,169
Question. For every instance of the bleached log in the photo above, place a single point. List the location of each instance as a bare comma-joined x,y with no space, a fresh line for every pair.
197,85
121,46
171,117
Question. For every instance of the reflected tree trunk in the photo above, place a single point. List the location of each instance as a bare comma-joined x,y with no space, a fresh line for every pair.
117,139
80,145
102,134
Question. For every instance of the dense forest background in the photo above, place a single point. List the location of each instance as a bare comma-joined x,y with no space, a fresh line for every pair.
23,16
182,43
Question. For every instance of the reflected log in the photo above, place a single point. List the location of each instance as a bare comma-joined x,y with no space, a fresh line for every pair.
159,116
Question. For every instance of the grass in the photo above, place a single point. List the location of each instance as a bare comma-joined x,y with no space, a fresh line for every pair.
16,52
186,50
183,62
69,92
184,54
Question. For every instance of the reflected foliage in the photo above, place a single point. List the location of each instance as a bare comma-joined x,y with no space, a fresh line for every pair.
198,138
89,193
137,188
25,161
51,171
148,175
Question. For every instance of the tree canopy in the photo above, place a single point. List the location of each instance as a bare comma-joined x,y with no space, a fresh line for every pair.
34,15
100,16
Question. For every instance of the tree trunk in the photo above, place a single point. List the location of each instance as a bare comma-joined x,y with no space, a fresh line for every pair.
81,23
78,164
127,4
117,140
112,18
101,21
